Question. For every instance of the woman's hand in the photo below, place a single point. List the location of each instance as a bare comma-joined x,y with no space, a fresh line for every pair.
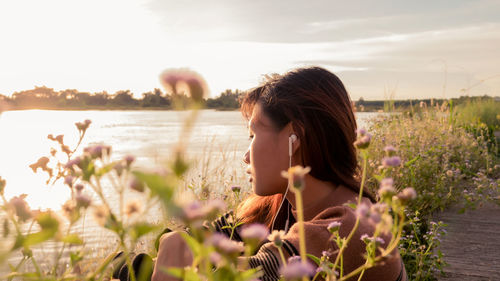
172,252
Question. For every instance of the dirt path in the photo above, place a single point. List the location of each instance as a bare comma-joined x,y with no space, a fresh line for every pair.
472,244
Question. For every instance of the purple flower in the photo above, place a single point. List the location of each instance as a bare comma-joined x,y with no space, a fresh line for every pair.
362,210
129,159
20,207
386,187
392,161
225,245
334,226
235,188
79,187
255,231
363,142
277,237
82,200
361,131
407,194
389,149
75,161
295,270
137,185
69,180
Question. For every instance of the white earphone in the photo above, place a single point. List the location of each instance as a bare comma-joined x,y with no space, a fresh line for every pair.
291,140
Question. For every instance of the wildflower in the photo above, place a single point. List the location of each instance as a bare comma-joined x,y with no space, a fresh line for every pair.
386,188
82,126
71,163
215,258
407,194
79,187
389,150
195,211
296,175
257,232
98,151
392,161
20,207
364,141
82,200
69,180
118,167
362,210
101,214
225,245
277,237
367,239
129,159
132,207
136,185
296,269
334,226
235,188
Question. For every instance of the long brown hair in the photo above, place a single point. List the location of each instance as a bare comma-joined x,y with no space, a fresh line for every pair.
316,102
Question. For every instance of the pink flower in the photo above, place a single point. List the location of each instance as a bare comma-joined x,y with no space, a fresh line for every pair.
362,210
82,200
386,187
129,159
390,150
392,161
136,185
296,269
68,180
20,207
225,245
363,142
277,237
334,226
255,231
235,188
407,194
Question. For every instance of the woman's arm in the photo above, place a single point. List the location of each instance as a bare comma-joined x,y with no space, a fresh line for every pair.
172,252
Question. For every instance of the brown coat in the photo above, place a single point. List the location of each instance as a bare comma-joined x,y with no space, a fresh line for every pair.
330,209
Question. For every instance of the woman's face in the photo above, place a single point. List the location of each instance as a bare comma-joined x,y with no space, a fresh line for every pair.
267,154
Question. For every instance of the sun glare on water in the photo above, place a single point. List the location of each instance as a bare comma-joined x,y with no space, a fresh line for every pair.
23,140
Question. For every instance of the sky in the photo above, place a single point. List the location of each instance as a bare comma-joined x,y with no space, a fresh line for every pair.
380,49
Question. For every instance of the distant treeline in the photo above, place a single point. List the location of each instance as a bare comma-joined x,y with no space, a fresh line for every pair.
46,98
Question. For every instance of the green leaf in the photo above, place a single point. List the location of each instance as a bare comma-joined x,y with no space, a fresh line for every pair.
186,274
157,184
314,258
139,229
410,162
351,205
194,245
75,257
72,239
39,237
105,169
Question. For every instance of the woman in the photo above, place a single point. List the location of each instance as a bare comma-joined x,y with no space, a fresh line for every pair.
303,118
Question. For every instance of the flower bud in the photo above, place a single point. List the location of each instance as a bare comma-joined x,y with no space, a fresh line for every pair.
137,185
334,227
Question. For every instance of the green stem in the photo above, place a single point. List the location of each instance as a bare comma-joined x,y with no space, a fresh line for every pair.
302,234
283,260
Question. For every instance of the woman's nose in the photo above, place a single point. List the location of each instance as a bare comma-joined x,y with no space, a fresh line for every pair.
246,157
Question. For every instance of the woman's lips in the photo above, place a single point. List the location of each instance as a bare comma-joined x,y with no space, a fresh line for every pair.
250,179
